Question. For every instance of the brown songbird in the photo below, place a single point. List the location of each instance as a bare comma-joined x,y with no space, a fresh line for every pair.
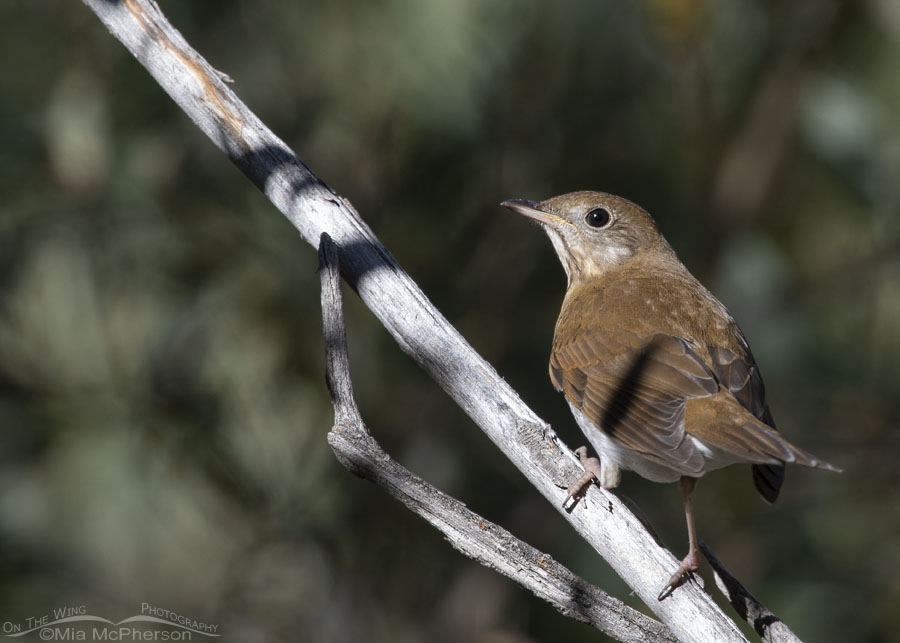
658,375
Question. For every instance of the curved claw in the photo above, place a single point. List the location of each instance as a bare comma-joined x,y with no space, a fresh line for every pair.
684,573
591,473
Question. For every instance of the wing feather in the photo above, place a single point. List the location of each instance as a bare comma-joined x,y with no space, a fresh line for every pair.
739,373
634,389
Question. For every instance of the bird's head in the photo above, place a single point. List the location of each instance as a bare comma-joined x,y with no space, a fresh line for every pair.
594,232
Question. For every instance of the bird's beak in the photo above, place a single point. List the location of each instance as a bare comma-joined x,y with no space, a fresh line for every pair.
532,210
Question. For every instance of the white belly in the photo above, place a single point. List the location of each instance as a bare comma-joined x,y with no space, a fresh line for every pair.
614,456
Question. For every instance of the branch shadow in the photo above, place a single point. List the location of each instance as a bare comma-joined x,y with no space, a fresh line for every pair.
358,257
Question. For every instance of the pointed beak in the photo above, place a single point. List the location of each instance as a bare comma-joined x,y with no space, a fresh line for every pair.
532,210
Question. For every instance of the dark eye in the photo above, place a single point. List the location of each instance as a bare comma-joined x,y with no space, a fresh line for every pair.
597,218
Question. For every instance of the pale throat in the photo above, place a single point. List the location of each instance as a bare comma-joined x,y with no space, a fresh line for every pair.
580,267
573,271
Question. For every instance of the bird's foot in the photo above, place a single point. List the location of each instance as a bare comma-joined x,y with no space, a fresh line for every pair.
685,572
592,471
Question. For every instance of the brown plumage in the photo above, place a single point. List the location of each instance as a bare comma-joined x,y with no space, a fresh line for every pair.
657,373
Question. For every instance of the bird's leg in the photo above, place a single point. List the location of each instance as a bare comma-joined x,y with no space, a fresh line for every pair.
691,562
607,476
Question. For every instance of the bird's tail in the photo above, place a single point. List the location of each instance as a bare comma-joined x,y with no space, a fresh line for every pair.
768,478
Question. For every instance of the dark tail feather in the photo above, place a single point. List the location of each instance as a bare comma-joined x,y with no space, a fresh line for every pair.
768,479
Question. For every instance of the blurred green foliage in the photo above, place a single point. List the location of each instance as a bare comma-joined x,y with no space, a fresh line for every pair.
162,401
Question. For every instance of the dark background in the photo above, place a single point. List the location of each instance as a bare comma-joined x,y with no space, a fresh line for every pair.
162,399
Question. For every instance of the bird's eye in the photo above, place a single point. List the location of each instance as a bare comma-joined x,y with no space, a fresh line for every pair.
597,218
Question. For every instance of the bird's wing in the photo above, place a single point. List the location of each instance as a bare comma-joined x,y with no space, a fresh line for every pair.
738,372
731,431
634,389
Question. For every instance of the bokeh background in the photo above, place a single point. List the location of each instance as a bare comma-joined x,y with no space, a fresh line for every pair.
162,403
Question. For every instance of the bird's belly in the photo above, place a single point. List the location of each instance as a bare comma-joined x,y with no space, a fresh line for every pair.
612,452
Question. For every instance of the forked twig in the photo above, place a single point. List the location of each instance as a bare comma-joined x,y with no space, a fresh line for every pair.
477,538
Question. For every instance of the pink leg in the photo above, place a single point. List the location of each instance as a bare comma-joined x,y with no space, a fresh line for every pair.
691,562
592,471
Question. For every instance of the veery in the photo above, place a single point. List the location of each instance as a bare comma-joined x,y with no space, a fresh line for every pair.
658,375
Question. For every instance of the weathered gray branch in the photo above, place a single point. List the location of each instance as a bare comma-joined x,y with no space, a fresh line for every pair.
770,628
471,534
420,330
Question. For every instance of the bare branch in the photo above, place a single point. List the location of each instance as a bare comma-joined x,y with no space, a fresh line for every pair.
420,330
337,368
477,538
770,628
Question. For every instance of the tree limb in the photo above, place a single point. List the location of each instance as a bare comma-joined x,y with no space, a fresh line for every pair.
474,536
769,627
420,329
